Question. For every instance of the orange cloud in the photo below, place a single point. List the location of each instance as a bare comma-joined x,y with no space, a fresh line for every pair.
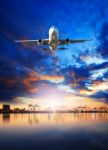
96,82
55,79
34,77
29,80
99,86
86,92
75,101
95,87
33,90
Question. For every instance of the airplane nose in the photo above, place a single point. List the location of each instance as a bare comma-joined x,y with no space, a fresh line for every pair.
53,27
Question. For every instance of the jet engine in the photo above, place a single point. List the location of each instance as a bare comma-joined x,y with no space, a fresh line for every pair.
40,42
67,41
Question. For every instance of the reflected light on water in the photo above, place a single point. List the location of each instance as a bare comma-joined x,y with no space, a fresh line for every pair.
50,119
54,131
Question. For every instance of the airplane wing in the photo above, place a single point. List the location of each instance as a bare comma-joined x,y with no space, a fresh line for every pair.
70,41
33,42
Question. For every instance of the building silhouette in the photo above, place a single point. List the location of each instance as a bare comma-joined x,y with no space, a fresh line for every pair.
6,108
32,107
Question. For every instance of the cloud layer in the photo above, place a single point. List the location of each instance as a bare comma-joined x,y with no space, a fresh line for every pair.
81,71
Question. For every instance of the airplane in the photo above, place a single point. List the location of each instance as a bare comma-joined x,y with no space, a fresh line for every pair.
53,41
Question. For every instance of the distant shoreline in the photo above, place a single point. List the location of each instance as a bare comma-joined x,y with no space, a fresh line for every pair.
50,112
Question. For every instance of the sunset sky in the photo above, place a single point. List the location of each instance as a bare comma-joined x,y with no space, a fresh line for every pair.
77,76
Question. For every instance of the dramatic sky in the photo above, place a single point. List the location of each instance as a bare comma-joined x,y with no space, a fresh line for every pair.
74,77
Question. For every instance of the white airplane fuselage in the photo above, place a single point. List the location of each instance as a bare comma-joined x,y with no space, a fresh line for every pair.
53,38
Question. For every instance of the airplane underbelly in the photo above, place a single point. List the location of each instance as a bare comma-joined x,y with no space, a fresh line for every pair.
53,38
53,45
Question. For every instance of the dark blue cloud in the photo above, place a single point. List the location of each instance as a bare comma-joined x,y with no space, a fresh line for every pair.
103,40
78,77
101,96
99,66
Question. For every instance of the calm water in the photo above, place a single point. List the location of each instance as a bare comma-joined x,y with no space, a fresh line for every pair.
54,131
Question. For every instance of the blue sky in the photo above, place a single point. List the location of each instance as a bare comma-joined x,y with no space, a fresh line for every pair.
30,73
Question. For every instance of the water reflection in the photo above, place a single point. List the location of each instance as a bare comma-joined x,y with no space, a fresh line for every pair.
33,119
50,118
56,131
6,118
